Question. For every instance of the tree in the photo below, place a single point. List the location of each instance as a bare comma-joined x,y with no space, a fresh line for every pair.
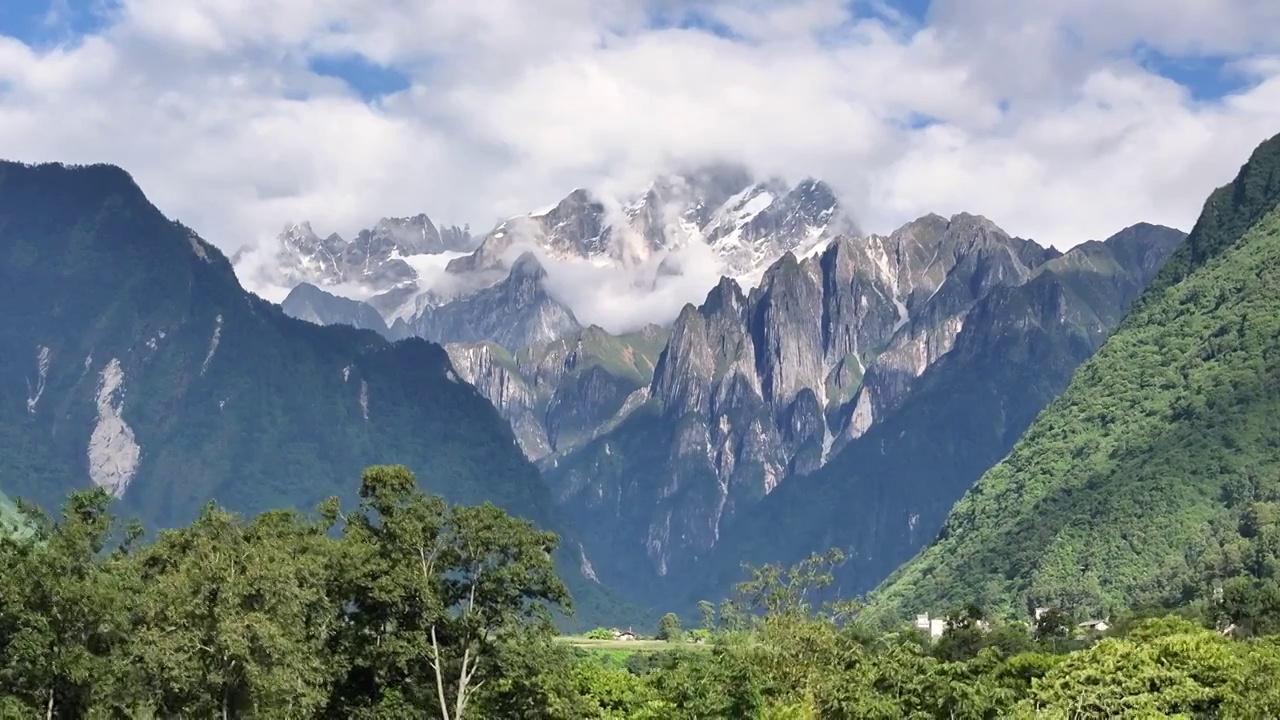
775,590
964,636
1053,626
707,613
1181,671
428,591
669,628
235,617
64,609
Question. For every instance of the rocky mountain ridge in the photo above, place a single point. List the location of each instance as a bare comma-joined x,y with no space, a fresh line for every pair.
374,261
561,393
747,224
754,389
886,493
717,214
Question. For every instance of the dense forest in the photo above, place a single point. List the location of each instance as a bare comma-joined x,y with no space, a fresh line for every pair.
406,606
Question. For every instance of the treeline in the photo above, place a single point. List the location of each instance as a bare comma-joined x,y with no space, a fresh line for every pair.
405,607
401,607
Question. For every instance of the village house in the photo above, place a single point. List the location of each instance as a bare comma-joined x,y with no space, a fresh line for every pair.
1098,626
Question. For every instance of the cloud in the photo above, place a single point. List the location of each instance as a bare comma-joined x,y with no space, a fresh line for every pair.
1040,115
625,299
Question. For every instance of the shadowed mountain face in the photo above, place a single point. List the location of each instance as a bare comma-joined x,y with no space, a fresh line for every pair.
515,313
133,360
310,303
1153,476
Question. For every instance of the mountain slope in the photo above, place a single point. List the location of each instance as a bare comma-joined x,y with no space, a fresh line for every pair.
887,493
310,303
514,313
558,393
130,357
1107,498
9,519
126,325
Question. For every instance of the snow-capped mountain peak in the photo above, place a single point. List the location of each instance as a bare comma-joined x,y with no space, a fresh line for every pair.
662,246
747,224
374,261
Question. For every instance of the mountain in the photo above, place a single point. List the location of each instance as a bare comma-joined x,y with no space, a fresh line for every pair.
310,303
746,224
447,287
1119,489
515,313
132,359
8,515
374,260
756,391
559,393
755,388
885,495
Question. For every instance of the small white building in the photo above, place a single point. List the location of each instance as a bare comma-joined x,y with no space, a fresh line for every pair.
933,626
1098,626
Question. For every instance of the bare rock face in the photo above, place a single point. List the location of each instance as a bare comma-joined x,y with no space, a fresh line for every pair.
515,313
888,491
559,393
113,452
494,372
753,389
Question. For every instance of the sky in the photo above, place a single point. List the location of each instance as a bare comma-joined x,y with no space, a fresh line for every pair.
1061,120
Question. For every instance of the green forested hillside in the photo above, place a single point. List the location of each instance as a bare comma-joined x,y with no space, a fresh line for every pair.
1119,488
223,395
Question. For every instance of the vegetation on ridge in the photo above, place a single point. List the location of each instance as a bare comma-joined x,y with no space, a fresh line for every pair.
1121,485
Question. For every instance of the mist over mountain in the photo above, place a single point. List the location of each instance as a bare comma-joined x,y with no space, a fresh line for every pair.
617,262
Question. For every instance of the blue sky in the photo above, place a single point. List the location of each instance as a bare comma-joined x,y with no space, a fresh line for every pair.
43,22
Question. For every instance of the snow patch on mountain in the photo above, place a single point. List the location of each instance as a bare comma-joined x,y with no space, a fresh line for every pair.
618,261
